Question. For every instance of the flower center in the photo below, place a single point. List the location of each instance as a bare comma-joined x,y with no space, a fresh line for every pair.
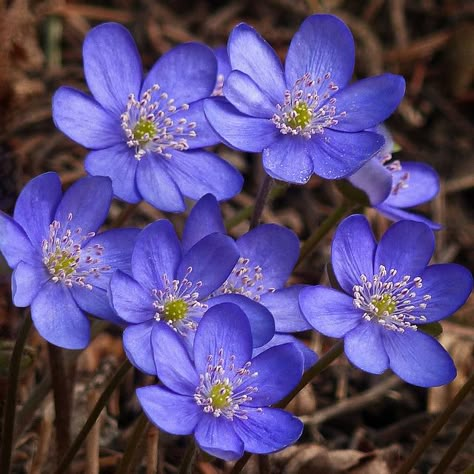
392,303
220,395
155,124
305,111
175,310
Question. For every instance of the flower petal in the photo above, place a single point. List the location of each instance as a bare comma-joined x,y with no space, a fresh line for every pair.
156,185
95,302
26,282
268,430
287,159
173,365
407,247
58,319
137,345
14,243
226,327
84,120
364,347
157,253
211,260
112,66
169,411
353,250
252,55
186,73
238,130
368,102
329,311
198,172
337,154
322,45
418,358
285,308
205,218
396,214
217,437
119,164
36,204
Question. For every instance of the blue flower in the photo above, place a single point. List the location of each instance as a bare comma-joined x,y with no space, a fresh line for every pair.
171,287
61,266
387,293
223,69
223,397
306,118
146,134
393,186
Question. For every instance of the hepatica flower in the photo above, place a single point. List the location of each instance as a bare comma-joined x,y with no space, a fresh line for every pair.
223,396
305,118
146,134
388,294
62,266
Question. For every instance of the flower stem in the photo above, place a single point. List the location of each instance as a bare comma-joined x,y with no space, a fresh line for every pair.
101,402
322,364
189,458
323,229
9,411
126,212
433,430
133,445
261,199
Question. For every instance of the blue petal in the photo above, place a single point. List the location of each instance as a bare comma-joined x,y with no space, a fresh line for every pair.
58,319
261,320
337,154
173,365
238,130
368,102
407,247
252,55
272,247
395,214
211,260
205,218
223,63
112,66
88,200
287,159
157,253
423,185
35,207
186,73
364,347
284,306
130,300
226,327
268,430
217,437
247,97
96,302
374,179
198,172
156,185
84,120
137,345
418,358
119,164
449,286
14,243
26,282
322,45
353,251
329,311
169,411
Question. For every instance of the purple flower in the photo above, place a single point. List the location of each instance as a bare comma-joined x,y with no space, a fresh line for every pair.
223,69
388,293
223,397
171,287
306,118
61,266
146,134
393,186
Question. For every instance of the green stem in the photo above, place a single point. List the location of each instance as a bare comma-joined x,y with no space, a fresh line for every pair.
440,421
99,406
10,403
187,464
261,199
133,445
322,364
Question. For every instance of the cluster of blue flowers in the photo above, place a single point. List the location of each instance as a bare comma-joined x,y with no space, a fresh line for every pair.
209,316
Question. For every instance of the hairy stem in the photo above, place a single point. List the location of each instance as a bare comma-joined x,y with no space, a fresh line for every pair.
261,199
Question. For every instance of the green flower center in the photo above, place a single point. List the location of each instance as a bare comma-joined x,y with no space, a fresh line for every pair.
144,131
62,261
219,395
175,310
301,116
384,304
